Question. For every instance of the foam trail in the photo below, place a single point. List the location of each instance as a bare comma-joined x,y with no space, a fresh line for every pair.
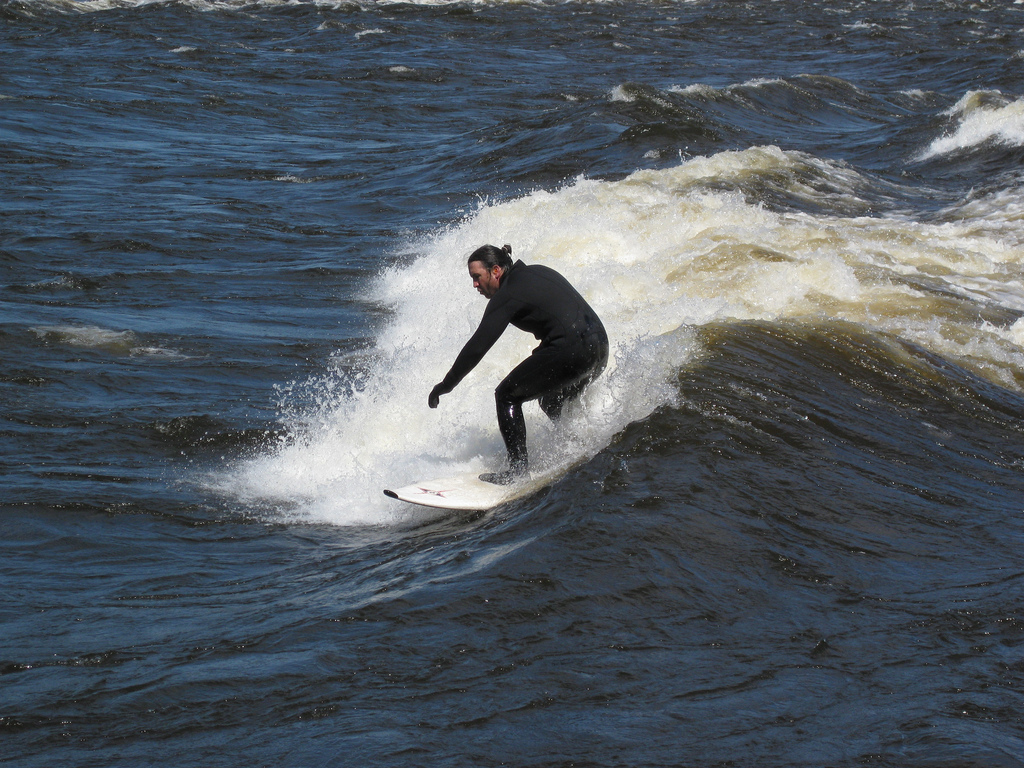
657,255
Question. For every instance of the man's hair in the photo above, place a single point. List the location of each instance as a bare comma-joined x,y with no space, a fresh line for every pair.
492,256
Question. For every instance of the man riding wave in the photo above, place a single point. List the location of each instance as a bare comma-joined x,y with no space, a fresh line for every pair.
573,348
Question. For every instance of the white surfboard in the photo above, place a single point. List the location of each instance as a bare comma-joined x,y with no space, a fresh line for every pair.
465,492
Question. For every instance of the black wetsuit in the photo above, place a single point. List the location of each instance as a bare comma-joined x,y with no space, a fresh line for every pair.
573,349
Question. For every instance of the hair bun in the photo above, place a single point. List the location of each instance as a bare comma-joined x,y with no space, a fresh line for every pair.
507,249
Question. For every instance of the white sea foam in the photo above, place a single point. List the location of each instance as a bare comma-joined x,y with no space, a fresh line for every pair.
291,178
117,342
983,117
658,256
708,92
915,93
629,94
86,336
621,93
760,82
701,90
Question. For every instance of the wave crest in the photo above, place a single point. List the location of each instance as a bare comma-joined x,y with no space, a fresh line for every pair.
983,117
658,254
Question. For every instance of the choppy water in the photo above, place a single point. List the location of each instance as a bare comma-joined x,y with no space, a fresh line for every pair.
789,532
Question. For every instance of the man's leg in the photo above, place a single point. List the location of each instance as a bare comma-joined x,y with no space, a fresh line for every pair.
553,402
577,378
550,375
532,378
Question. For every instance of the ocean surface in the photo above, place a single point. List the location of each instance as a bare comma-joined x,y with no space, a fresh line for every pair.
788,527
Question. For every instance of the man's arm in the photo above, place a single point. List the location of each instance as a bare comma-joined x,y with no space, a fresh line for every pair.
494,322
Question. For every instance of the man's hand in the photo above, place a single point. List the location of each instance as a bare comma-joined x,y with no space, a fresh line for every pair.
435,396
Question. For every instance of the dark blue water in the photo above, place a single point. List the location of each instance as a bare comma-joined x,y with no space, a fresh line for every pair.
787,527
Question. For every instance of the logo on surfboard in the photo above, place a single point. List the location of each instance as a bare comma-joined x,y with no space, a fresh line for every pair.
435,493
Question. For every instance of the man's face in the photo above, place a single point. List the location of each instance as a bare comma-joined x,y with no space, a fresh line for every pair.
485,280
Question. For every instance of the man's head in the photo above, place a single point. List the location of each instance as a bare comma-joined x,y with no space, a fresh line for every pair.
487,264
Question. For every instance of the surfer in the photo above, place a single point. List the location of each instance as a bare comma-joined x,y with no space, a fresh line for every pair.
572,353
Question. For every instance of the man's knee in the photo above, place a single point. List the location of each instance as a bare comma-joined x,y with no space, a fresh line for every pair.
551,406
504,394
